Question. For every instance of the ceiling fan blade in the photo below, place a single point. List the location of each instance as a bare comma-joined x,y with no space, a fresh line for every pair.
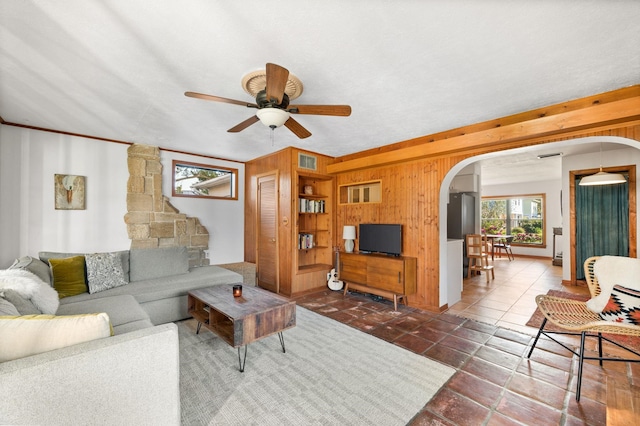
276,82
219,99
339,110
246,123
297,128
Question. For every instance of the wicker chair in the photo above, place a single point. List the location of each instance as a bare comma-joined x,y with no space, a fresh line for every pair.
574,317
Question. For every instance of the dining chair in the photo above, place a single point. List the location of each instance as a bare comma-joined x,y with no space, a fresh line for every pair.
504,244
478,255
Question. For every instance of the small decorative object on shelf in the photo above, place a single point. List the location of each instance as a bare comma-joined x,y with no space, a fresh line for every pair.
237,290
308,190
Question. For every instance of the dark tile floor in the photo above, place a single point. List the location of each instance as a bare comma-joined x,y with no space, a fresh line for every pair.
495,383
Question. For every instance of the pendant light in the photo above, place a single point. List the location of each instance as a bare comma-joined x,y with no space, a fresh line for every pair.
602,178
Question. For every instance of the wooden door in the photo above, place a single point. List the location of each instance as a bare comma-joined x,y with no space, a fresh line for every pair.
267,232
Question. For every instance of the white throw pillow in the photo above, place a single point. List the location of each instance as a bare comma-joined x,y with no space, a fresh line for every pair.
29,286
27,335
104,271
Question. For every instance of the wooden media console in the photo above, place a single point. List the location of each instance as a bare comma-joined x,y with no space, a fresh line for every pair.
393,277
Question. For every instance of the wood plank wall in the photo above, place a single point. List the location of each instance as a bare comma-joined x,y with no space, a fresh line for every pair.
286,162
411,187
410,196
412,173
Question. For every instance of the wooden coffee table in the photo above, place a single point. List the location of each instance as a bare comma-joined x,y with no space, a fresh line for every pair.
241,320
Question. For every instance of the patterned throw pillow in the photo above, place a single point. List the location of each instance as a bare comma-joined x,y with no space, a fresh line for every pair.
104,271
623,306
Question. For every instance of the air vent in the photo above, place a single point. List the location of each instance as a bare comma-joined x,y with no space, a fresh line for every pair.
308,162
555,154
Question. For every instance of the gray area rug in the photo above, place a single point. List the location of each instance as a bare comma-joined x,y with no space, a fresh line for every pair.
330,374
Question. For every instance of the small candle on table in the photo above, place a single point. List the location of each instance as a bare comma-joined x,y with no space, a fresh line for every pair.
237,290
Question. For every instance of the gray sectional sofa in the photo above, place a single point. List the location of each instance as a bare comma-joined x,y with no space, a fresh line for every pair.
129,378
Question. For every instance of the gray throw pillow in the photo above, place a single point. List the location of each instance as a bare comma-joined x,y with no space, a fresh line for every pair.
7,308
104,271
35,266
22,305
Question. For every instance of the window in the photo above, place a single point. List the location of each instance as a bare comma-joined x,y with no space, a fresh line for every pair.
368,192
521,216
204,181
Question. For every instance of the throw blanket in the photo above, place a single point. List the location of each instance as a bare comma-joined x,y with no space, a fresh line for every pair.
29,286
612,270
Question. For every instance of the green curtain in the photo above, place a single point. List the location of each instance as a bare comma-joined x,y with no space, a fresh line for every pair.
602,222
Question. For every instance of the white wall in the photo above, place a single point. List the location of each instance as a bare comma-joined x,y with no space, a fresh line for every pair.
29,222
224,219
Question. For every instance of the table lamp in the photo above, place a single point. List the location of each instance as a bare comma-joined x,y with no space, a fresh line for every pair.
349,235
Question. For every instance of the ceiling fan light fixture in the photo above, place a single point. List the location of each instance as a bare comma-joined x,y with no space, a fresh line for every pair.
272,117
602,178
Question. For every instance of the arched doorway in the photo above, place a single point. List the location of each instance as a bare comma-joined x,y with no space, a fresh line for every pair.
580,163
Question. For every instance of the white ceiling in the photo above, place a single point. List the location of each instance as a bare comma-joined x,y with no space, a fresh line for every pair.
523,164
119,69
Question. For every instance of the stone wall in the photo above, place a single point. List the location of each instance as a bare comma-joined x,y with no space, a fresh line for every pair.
151,219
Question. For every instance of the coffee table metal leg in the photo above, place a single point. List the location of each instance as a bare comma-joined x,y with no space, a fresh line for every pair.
282,342
198,329
243,361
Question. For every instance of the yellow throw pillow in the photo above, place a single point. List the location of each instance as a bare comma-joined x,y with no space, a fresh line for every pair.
28,335
68,276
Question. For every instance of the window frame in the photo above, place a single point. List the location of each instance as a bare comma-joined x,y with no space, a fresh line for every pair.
543,216
233,173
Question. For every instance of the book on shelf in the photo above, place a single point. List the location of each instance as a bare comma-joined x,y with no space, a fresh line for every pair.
305,241
311,206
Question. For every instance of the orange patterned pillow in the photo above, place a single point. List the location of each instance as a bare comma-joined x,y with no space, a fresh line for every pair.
623,306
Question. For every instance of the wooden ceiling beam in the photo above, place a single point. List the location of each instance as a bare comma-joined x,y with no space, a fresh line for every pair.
595,113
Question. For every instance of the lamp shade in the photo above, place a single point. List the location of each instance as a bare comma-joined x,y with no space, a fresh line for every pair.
272,117
349,232
602,178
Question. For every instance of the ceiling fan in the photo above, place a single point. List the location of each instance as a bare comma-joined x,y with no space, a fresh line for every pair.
272,103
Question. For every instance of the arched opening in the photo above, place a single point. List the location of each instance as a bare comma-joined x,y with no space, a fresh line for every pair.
585,157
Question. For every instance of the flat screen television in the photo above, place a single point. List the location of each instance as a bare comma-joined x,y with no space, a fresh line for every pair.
380,238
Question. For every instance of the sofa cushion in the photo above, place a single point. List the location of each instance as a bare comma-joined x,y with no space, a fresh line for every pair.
146,264
7,308
166,287
34,334
125,313
30,287
124,256
104,271
68,276
22,306
46,255
35,266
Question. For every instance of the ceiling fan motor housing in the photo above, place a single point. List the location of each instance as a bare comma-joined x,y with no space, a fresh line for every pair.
263,102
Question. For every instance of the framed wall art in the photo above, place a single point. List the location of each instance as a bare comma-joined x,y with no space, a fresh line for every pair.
69,192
